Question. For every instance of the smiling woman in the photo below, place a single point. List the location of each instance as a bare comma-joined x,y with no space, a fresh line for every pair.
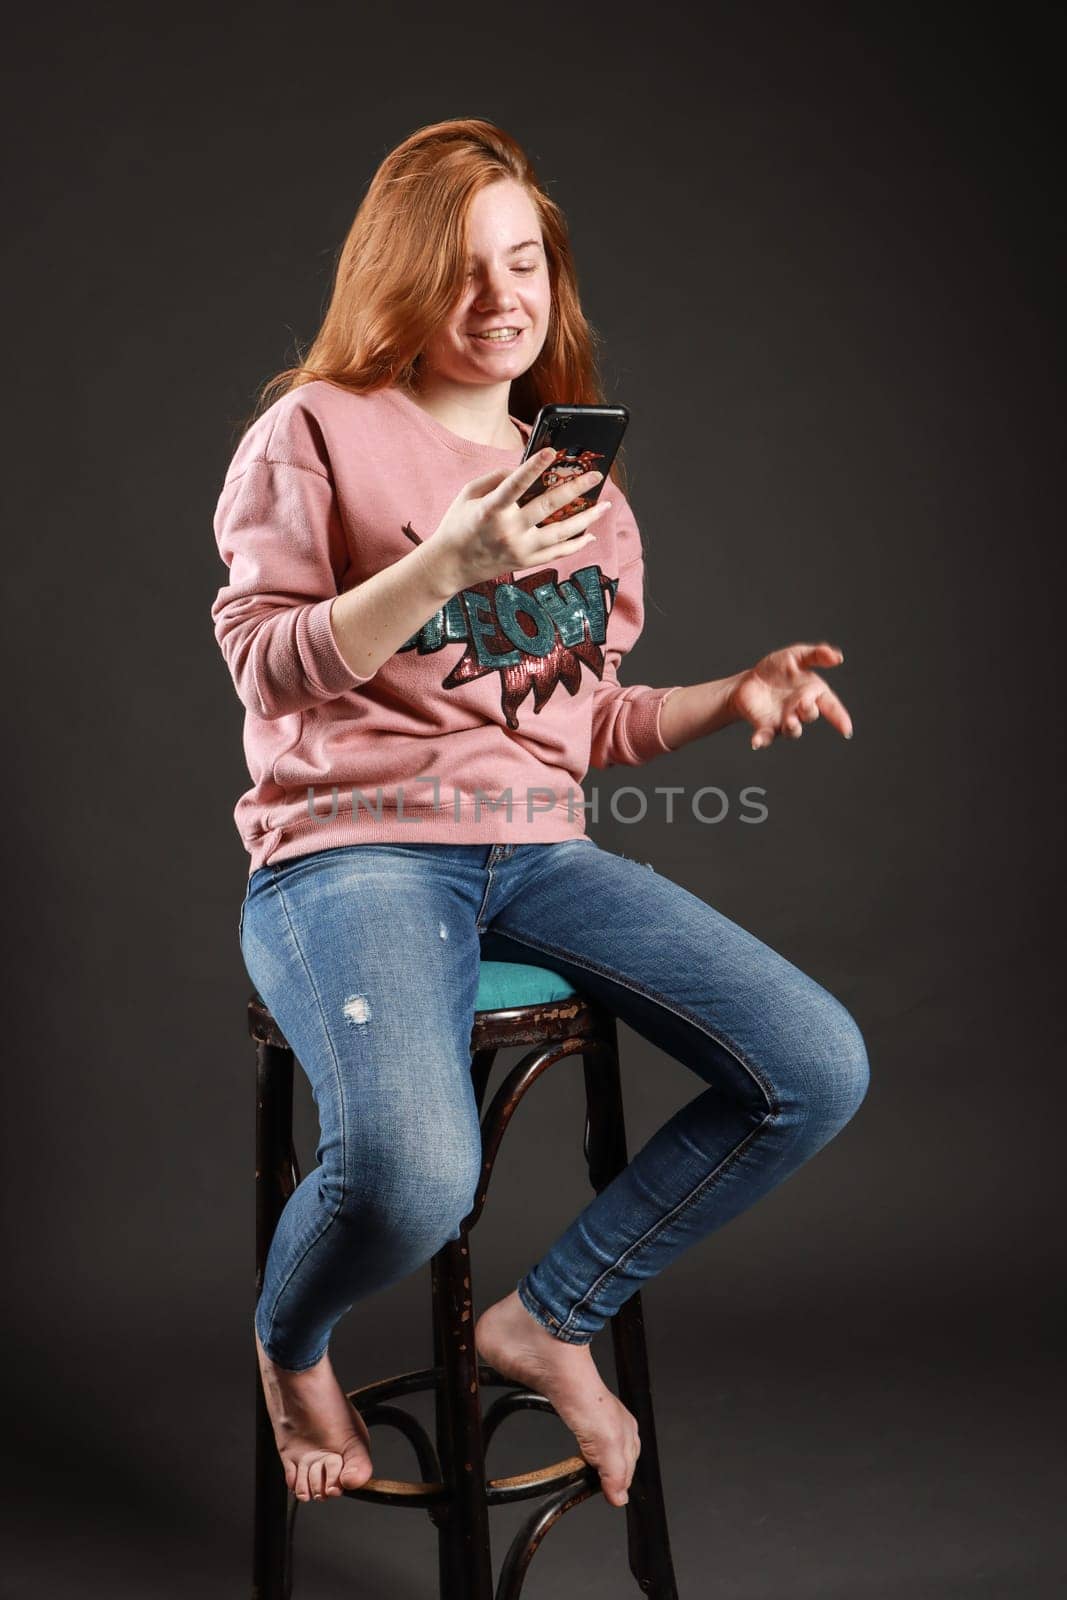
499,322
498,325
455,242
533,248
397,618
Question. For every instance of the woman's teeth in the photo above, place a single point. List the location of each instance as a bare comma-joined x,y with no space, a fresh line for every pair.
499,335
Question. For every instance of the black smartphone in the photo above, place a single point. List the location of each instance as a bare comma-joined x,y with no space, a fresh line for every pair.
585,439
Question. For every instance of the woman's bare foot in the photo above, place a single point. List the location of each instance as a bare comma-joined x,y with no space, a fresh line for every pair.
509,1339
323,1441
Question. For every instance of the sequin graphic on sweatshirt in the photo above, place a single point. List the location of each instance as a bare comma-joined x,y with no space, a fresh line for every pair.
535,631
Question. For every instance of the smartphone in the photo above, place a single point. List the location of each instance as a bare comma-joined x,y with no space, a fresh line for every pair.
585,439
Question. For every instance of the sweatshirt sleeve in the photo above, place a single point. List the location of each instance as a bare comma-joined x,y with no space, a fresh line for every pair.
626,721
279,532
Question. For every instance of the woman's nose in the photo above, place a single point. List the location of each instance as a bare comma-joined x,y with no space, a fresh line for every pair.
496,289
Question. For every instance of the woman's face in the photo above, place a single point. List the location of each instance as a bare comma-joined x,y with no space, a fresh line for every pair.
506,287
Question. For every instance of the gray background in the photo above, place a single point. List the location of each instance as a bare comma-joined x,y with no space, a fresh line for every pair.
821,245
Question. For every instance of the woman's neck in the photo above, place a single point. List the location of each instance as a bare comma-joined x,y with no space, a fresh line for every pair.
474,412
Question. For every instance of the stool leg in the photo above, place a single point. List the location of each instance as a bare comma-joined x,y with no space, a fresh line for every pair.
449,1555
649,1550
481,1067
274,1509
646,1513
466,1565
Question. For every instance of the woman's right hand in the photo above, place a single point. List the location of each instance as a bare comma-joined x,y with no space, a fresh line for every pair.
484,532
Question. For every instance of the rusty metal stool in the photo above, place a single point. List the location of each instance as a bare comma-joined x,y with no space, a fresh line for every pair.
516,1005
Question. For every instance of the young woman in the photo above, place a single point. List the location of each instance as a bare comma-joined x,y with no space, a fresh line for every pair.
428,672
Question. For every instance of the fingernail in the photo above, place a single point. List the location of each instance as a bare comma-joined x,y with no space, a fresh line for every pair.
848,735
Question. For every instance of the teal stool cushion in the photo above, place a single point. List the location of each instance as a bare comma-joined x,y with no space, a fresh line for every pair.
506,983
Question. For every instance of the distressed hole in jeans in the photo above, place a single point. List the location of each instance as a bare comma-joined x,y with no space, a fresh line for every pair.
442,930
356,1009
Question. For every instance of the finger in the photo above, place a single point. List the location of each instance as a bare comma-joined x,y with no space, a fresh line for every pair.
835,713
554,552
763,736
808,711
791,727
543,506
564,544
819,655
559,552
477,487
517,480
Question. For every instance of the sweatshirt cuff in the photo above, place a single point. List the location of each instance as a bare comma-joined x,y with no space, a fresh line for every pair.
328,665
664,747
643,728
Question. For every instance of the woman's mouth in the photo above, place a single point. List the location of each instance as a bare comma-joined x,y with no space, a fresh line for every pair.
505,338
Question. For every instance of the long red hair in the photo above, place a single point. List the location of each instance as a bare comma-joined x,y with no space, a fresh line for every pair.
403,267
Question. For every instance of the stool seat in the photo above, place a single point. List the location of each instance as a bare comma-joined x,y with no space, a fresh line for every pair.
505,984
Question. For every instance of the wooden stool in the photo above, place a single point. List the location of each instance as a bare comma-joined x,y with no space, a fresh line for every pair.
515,1005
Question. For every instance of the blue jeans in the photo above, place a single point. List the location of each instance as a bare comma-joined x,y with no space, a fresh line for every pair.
368,957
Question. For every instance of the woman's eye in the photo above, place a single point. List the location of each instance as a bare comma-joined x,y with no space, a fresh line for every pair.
532,267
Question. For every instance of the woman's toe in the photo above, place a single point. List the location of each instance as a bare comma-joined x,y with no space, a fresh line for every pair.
614,1485
355,1473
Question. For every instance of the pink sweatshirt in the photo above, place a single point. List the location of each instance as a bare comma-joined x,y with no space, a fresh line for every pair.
480,728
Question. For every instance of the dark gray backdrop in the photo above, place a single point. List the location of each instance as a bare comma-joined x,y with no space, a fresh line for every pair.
822,247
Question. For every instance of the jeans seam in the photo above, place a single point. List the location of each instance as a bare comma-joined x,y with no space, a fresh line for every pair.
558,1330
332,1218
652,1233
478,928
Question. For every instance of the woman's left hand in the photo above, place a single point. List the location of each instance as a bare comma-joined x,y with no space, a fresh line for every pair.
781,692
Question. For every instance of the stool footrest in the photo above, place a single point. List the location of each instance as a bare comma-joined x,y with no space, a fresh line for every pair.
568,1472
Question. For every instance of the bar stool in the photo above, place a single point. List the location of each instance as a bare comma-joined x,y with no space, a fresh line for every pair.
516,1005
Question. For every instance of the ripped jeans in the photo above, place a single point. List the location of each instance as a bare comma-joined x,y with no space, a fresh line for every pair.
368,957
